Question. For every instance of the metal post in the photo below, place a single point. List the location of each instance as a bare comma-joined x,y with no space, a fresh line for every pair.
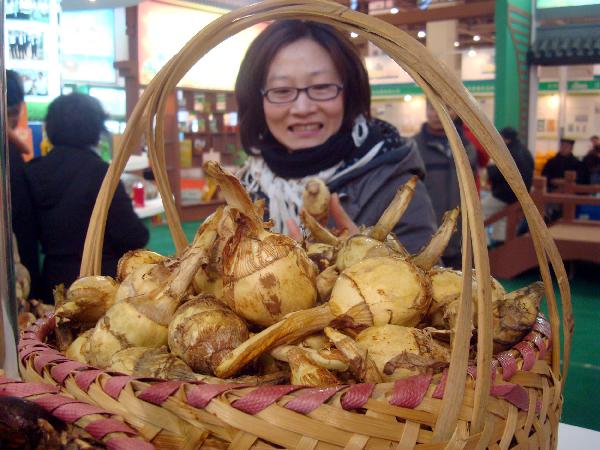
562,92
8,311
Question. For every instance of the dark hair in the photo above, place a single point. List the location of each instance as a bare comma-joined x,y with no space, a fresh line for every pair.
509,133
75,120
15,94
568,140
256,62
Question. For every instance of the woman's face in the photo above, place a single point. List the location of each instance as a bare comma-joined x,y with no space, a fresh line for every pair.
303,123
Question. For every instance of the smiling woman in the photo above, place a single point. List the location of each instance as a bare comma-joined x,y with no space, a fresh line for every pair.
304,108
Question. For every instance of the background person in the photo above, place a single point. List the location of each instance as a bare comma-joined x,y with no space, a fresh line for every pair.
304,109
65,184
592,160
564,160
441,179
23,219
501,193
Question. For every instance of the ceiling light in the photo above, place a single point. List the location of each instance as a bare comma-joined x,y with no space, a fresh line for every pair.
353,35
421,34
456,43
472,53
407,98
476,38
394,11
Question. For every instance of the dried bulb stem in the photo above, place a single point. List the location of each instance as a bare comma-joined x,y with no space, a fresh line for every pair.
234,193
318,232
315,199
292,328
433,251
392,214
361,364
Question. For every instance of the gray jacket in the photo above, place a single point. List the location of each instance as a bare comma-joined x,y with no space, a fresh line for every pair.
441,179
366,192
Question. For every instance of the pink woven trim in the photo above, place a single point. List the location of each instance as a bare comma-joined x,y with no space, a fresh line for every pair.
19,389
160,392
439,390
29,335
528,355
541,325
45,326
310,399
115,385
72,412
4,380
46,358
201,395
39,348
537,339
508,363
51,402
512,393
62,370
102,427
357,396
472,372
494,368
409,392
26,341
127,443
85,378
262,397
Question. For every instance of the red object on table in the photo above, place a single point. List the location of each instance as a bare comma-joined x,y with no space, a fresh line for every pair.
138,194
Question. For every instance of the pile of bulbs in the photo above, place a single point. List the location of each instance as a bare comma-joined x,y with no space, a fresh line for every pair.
242,303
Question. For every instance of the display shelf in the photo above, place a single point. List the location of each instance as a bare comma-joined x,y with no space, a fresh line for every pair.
151,208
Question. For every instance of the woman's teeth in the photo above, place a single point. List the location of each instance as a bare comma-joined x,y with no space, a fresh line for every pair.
310,127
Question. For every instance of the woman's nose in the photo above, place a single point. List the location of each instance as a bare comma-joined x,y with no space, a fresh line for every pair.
303,104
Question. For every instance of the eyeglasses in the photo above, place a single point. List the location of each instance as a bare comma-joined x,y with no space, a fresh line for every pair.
317,92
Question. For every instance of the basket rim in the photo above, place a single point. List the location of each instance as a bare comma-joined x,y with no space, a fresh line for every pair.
34,351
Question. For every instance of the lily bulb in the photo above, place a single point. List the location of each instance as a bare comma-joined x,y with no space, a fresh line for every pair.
372,241
375,291
265,275
400,352
315,199
87,299
142,320
203,331
133,259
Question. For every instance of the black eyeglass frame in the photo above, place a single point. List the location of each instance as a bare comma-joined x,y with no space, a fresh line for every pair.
340,88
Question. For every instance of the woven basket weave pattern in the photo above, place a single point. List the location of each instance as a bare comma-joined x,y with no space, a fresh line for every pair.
512,400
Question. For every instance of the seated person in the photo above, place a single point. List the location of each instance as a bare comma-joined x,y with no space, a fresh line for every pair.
64,186
564,160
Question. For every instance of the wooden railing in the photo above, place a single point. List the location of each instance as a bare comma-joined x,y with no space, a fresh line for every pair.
576,239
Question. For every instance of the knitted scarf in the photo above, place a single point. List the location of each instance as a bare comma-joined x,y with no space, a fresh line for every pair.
279,177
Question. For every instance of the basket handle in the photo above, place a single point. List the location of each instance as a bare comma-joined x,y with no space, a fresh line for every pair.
441,87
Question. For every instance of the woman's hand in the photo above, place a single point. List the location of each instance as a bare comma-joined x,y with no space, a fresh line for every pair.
340,217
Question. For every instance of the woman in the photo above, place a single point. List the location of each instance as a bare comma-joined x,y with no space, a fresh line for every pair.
64,186
304,109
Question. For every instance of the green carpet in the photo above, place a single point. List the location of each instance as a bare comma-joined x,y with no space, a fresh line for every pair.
581,392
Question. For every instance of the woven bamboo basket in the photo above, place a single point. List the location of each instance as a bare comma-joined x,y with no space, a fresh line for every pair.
510,400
